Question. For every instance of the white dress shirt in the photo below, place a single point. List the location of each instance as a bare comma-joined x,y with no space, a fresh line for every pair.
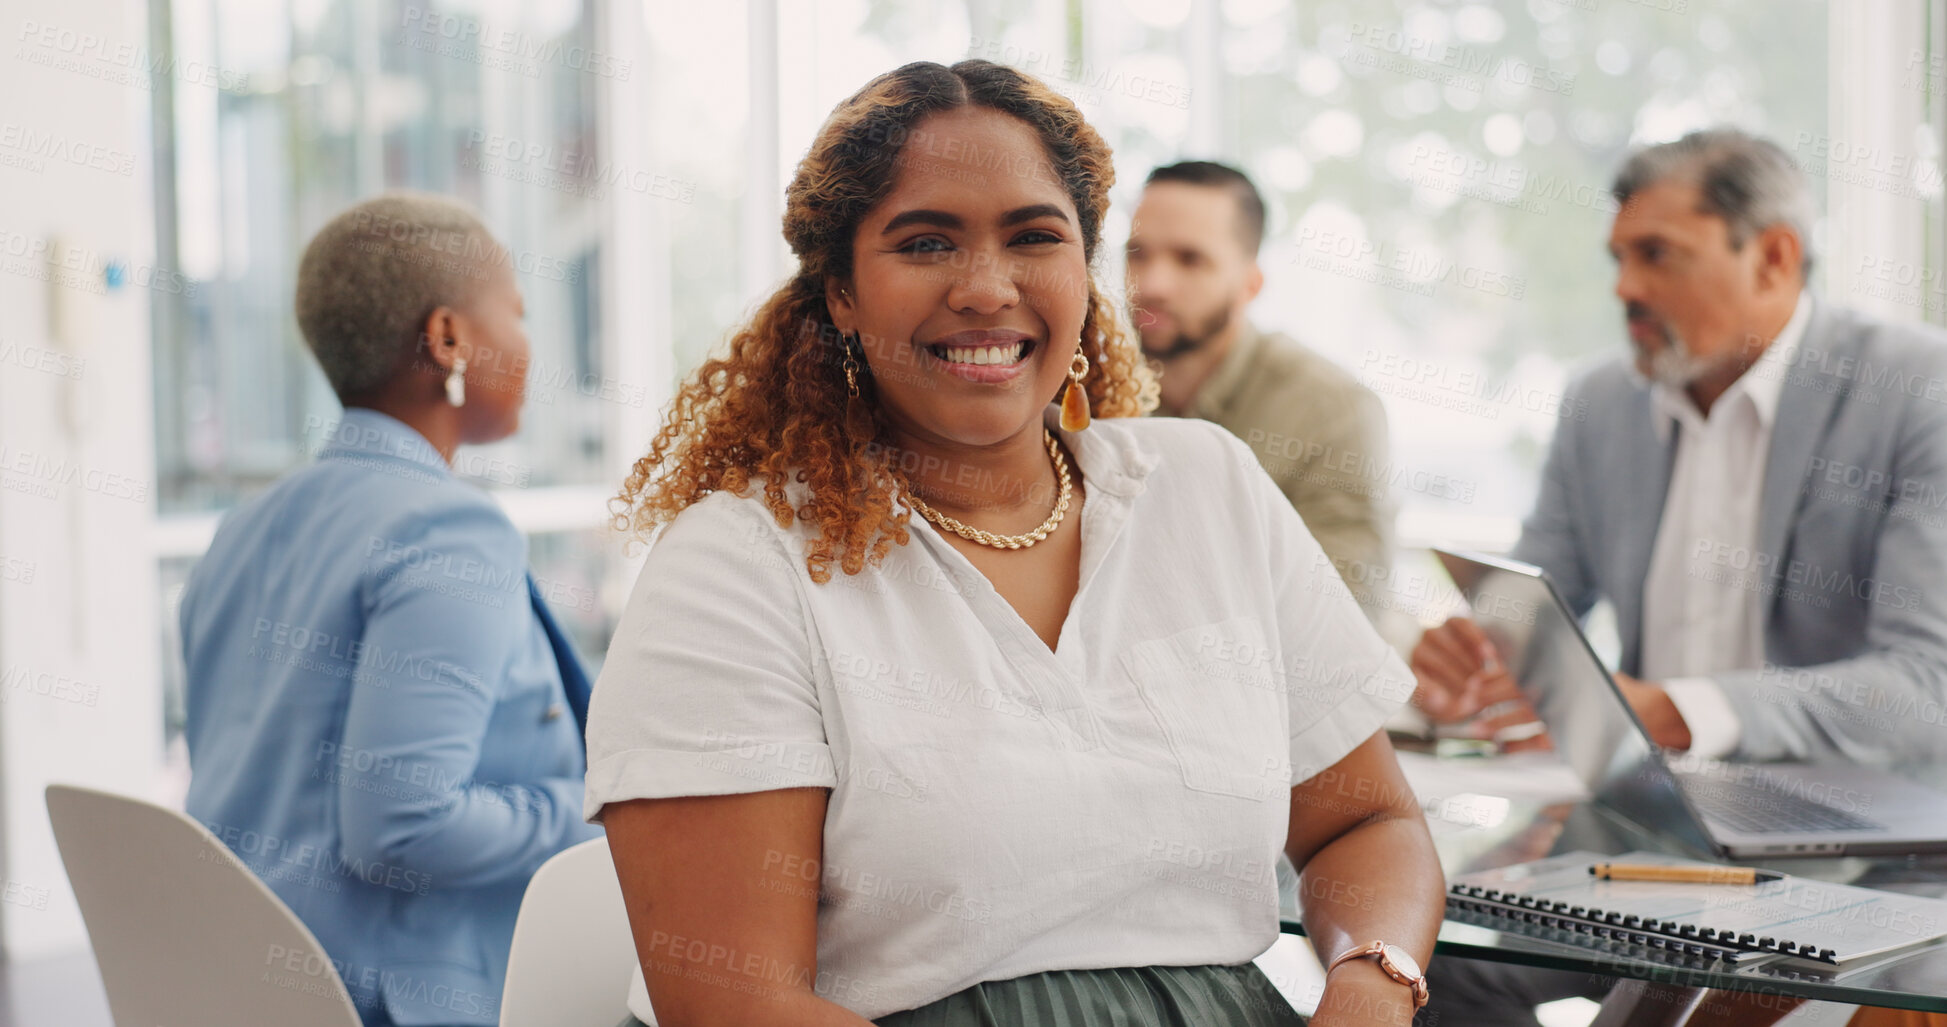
997,808
1705,597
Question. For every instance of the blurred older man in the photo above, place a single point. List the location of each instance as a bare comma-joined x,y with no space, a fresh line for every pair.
1757,491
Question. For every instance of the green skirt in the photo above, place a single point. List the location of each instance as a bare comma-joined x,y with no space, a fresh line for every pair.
1147,996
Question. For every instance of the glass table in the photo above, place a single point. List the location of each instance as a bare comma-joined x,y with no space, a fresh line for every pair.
1476,832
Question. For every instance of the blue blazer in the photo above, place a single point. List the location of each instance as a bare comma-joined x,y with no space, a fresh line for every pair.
384,723
1852,529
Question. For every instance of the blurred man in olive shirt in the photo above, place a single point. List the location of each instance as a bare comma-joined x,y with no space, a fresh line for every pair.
1192,271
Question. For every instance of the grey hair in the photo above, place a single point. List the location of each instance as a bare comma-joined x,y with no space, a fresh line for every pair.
1748,181
373,274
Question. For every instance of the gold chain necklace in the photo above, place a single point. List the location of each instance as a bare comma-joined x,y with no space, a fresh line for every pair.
988,538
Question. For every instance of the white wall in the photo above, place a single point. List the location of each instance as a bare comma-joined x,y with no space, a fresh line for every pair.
79,684
1875,160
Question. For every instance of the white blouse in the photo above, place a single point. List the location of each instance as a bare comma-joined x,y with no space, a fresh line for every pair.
999,809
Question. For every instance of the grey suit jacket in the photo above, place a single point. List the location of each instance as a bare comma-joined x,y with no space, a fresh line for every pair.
1852,539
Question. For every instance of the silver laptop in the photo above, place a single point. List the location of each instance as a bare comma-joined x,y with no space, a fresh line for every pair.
1726,808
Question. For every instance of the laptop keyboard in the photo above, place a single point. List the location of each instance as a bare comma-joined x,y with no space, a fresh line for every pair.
1761,811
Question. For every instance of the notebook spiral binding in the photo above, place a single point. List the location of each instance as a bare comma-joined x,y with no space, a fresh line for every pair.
1684,939
1614,947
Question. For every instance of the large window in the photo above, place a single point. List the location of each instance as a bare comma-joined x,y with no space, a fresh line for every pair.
703,120
1436,171
1440,175
322,103
334,101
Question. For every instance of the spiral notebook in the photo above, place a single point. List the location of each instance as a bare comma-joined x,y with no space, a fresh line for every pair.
1792,917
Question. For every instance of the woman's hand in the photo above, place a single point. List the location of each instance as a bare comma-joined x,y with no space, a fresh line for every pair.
1358,992
1367,872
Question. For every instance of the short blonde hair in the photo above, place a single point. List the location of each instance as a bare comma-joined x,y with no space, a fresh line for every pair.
373,274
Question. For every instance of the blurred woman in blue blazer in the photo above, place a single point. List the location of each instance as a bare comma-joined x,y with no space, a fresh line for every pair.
384,721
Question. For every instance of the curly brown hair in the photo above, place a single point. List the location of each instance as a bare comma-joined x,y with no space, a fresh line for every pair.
777,407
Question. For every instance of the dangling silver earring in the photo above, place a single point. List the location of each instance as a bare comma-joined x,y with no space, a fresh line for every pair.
456,383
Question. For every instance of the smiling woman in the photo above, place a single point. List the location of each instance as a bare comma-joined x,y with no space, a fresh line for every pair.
1032,757
979,181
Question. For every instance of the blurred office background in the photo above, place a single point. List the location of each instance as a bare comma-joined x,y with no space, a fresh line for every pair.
1436,174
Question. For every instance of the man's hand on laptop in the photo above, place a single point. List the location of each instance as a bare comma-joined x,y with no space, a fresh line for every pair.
1448,662
1657,712
1463,678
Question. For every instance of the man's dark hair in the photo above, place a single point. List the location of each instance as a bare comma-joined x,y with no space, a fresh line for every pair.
1250,206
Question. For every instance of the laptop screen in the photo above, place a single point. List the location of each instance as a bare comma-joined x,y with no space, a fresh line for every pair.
1593,729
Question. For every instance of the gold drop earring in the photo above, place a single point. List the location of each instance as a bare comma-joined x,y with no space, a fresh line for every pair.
852,365
1074,403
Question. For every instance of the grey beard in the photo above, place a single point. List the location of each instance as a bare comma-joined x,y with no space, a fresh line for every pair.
1673,366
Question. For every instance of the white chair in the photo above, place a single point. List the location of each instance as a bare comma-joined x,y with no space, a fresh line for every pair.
573,962
183,932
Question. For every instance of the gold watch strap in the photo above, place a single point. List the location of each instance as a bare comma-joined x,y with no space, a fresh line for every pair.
1377,950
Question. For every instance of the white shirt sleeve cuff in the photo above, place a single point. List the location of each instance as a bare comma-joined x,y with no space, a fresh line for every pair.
1713,722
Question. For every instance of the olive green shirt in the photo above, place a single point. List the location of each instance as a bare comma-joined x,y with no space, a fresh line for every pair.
1321,436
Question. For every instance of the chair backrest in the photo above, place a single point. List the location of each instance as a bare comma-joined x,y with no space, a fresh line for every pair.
183,932
573,959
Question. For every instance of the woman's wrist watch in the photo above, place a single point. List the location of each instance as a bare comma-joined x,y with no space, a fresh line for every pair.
1396,962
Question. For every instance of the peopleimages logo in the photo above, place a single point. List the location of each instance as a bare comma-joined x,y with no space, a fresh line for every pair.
63,149
52,473
264,853
1473,64
77,267
1412,267
1081,73
543,164
110,60
1503,182
1385,371
39,358
514,43
1813,579
469,249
